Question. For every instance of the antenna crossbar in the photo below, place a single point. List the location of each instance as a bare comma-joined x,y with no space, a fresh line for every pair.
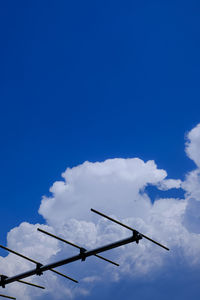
3,277
106,259
74,245
32,284
70,278
132,229
19,254
8,297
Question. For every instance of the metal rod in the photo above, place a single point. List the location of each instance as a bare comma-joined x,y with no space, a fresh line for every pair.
106,259
31,284
111,219
18,254
146,237
8,297
74,280
80,256
74,245
58,238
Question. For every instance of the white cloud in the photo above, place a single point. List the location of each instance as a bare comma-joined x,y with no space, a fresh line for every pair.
116,184
167,184
193,145
117,187
191,185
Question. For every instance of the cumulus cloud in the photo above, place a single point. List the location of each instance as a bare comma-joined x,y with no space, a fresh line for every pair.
116,184
118,188
193,145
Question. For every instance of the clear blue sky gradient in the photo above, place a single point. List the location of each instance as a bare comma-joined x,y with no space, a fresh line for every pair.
91,80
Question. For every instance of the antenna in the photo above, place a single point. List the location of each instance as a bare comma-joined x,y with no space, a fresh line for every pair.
82,255
38,265
76,246
144,236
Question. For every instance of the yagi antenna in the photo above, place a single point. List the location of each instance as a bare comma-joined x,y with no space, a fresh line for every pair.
82,255
142,235
38,265
76,246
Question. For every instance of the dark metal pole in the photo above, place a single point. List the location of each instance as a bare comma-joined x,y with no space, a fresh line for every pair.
82,256
132,229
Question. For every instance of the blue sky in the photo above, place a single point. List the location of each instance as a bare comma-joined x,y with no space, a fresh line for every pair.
92,80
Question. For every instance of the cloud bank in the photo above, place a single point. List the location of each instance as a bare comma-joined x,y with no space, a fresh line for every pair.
118,188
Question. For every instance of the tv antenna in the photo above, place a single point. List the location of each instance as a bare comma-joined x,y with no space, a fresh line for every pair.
82,255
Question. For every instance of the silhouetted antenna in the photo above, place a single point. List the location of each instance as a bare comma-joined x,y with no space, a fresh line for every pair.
144,236
38,265
82,255
76,246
